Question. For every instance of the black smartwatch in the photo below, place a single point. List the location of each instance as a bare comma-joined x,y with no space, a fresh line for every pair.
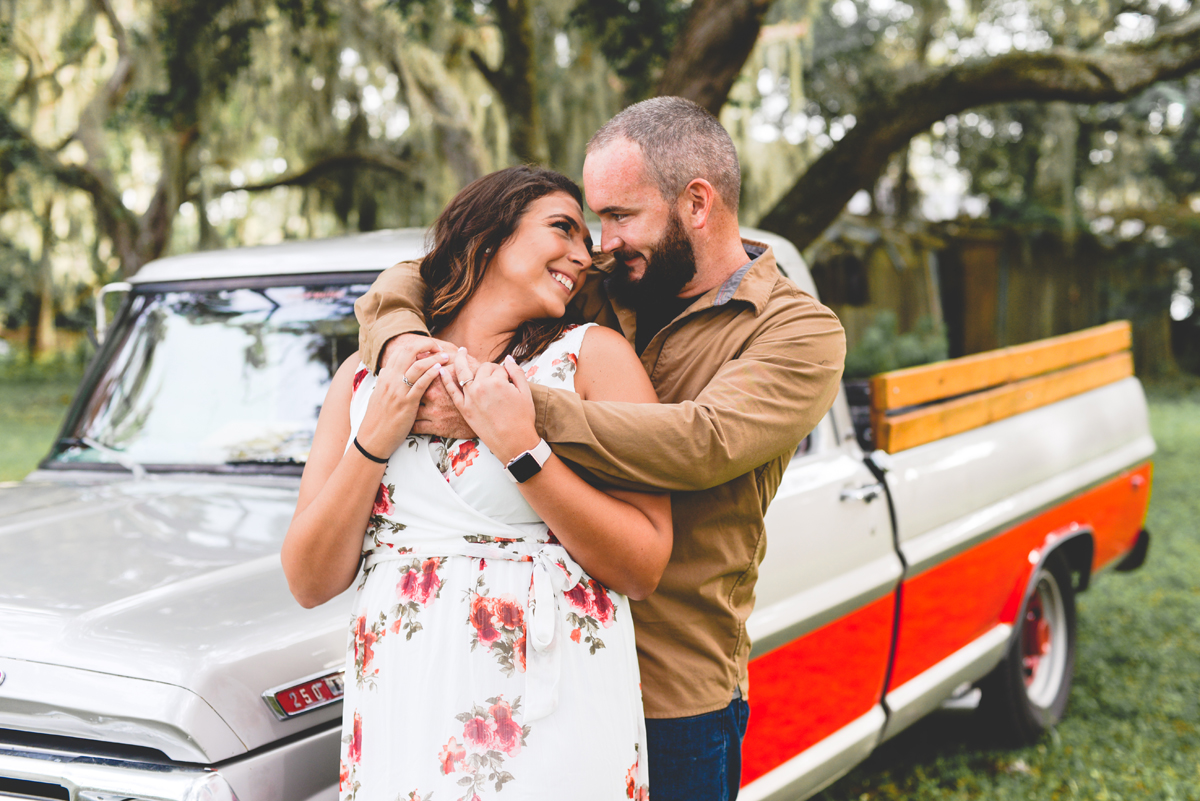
526,465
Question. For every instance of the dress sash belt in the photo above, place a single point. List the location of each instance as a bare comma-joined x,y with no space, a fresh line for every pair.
554,573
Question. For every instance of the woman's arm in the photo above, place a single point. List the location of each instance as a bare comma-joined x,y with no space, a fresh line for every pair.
622,539
337,491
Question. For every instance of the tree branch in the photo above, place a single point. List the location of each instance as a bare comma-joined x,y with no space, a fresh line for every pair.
1104,75
324,166
493,77
711,50
122,77
31,80
22,147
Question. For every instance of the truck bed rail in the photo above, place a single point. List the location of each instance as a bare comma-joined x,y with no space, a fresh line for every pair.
917,405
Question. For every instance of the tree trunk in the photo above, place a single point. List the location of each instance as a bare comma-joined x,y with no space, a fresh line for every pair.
515,80
1153,357
45,343
711,50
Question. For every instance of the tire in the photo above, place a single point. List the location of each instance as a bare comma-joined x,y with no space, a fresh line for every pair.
1027,693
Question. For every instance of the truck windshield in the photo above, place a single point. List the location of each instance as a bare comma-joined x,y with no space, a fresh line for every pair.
214,377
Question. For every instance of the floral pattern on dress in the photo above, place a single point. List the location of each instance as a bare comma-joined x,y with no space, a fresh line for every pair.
441,452
593,609
564,366
358,378
498,622
365,637
380,522
503,543
489,734
419,585
633,787
464,455
348,784
453,455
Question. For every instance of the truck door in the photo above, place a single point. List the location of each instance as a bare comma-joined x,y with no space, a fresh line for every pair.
823,619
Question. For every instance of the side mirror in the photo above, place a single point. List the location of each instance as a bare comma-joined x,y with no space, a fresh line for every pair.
101,322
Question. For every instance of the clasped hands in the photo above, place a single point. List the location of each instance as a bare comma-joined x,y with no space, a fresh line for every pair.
490,401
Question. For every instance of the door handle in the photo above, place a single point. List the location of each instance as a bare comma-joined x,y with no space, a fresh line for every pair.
866,494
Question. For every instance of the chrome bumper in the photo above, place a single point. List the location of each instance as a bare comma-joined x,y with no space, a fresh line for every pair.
303,769
96,779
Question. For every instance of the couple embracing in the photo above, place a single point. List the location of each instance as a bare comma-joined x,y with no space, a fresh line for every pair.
534,457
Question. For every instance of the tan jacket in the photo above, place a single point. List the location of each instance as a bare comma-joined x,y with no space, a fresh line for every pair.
744,374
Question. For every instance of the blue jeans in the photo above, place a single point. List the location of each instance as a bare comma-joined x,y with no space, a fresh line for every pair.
698,758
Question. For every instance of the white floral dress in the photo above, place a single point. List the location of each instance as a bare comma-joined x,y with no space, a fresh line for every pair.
483,663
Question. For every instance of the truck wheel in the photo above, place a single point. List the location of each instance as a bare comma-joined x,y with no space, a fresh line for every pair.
1027,692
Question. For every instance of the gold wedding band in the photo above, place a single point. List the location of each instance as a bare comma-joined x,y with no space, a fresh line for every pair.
408,383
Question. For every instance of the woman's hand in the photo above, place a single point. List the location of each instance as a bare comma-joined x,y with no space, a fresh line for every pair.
393,405
495,401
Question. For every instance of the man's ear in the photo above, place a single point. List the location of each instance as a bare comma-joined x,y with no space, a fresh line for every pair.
696,203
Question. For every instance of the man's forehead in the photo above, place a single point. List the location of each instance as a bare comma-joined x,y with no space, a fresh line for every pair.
613,172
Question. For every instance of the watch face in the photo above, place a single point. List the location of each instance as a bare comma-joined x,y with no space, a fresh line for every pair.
524,467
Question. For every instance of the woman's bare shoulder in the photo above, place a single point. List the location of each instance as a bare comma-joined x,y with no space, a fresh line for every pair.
609,369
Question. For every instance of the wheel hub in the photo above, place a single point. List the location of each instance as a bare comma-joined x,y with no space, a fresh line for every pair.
1035,639
1043,642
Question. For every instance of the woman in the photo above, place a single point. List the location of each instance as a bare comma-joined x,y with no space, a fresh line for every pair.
492,651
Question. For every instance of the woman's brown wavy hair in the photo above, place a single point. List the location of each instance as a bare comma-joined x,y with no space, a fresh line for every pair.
471,229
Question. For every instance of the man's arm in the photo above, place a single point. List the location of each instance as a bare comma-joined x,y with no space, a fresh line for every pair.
393,305
757,407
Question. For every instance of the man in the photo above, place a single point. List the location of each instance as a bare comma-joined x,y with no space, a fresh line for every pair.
745,365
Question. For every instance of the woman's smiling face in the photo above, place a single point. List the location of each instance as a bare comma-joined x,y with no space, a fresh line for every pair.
541,266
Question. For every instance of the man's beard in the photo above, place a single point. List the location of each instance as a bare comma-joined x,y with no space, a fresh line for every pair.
670,264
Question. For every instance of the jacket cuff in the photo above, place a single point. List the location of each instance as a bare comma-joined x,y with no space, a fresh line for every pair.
542,398
373,339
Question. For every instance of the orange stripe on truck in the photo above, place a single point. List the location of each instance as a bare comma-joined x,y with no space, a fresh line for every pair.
810,688
806,690
958,601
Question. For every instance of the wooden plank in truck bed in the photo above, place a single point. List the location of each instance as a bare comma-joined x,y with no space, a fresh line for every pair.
946,379
973,391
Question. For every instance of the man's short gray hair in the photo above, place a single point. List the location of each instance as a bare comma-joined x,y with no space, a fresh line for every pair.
680,142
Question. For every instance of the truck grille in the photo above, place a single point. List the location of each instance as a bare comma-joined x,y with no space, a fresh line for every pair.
31,791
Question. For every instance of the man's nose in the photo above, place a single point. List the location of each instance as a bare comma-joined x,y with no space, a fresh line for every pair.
609,241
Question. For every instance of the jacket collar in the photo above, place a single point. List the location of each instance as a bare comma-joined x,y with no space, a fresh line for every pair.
752,282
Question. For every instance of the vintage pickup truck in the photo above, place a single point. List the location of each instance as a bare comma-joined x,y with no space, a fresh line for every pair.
150,649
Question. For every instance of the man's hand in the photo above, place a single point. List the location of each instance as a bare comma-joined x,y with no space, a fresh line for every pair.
498,403
401,351
437,415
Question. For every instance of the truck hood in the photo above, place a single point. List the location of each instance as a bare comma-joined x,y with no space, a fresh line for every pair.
165,593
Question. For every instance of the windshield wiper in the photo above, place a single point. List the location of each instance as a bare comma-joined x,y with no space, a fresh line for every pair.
115,455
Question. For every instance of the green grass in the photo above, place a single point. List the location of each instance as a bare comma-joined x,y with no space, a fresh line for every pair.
31,410
1132,729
